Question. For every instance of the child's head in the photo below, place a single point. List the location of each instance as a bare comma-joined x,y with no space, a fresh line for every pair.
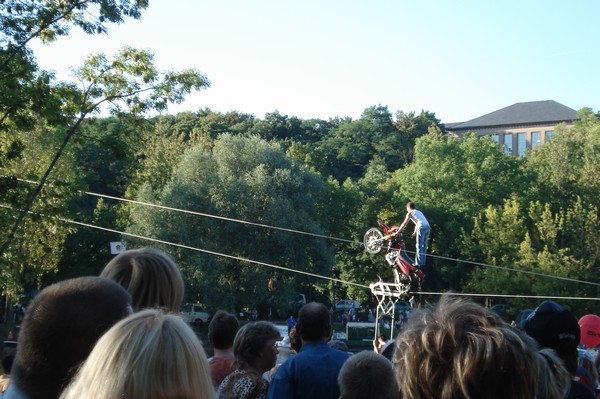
150,276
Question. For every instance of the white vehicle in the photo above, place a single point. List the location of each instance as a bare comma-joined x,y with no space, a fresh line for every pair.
284,343
346,304
284,340
194,314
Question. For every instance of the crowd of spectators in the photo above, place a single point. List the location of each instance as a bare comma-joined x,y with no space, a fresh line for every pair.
118,335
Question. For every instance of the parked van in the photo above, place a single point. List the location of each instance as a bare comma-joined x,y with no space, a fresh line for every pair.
195,314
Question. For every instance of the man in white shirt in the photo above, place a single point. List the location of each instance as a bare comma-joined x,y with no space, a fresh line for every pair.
421,232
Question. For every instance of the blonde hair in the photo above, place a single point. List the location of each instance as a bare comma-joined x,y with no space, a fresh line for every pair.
150,276
460,349
150,355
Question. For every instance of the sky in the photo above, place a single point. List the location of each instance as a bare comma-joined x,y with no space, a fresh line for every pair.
327,58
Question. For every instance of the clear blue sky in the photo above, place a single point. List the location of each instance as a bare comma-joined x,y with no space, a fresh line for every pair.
327,58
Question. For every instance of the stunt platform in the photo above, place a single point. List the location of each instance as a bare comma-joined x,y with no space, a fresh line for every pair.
388,294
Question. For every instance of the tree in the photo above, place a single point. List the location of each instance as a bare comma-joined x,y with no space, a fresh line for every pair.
349,147
452,181
568,165
496,239
37,248
127,85
25,92
247,179
410,127
541,252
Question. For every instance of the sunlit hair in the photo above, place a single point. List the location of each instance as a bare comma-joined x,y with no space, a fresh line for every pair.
460,349
368,375
150,276
249,341
553,379
150,355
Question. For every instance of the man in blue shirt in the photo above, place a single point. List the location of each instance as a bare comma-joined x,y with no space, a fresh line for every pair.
313,372
291,322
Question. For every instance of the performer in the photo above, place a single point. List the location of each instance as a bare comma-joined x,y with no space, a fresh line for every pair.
421,231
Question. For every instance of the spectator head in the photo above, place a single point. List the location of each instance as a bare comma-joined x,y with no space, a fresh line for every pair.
368,375
254,347
556,328
337,344
460,349
295,340
222,330
61,326
588,371
314,322
149,355
150,276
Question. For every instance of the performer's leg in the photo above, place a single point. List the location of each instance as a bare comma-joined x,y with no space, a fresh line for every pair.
421,253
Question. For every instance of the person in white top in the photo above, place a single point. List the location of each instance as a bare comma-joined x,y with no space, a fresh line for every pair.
421,231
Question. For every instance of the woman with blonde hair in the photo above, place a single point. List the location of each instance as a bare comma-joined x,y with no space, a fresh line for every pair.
255,353
150,276
150,355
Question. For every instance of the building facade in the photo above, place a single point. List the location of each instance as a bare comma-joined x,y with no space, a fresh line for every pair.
520,126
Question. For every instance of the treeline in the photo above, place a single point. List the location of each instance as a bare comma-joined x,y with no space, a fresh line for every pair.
536,217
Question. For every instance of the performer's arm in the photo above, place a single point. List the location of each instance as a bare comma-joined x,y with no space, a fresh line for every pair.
405,222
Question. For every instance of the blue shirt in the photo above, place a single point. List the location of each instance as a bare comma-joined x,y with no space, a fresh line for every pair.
312,373
12,392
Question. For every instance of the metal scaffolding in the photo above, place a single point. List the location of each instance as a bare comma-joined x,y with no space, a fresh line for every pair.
388,294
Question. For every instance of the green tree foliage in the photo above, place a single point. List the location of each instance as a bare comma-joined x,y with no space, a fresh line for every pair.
277,127
349,147
248,179
451,181
127,86
568,165
368,200
27,93
37,248
496,239
213,124
551,230
542,244
410,127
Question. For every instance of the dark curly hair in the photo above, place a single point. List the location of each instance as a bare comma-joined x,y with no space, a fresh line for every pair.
250,341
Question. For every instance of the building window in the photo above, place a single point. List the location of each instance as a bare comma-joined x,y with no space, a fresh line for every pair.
496,138
549,134
508,143
521,144
535,139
